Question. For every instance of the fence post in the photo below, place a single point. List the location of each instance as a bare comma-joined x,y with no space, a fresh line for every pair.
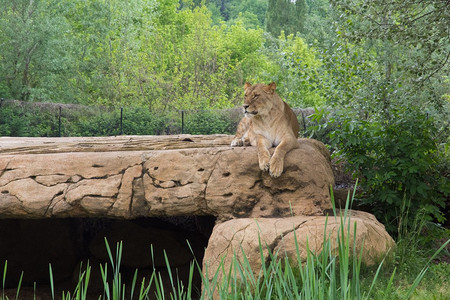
121,120
59,122
304,121
182,122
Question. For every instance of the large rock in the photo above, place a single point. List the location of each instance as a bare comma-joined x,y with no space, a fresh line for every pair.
130,176
278,236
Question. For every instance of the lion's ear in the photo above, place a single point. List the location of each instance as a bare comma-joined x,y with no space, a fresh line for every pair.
247,85
270,88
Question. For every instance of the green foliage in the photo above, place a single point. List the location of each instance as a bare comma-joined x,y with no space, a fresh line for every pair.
419,28
250,12
397,161
295,69
11,123
285,15
371,69
104,124
35,51
409,46
162,55
318,25
110,39
21,121
139,121
208,122
194,64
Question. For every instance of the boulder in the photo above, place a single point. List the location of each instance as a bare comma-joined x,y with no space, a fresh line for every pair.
134,176
278,236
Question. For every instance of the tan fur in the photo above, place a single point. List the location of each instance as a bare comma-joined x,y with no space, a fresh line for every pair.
268,122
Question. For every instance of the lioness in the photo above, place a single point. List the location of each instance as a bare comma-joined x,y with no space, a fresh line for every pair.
268,122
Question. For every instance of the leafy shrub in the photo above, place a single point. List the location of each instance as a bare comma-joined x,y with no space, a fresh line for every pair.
43,123
207,122
11,122
42,119
23,121
397,161
139,121
103,124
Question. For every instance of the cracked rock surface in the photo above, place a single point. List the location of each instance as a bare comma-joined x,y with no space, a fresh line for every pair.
278,236
134,176
158,176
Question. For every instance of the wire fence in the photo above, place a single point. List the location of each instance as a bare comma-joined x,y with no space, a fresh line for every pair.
19,118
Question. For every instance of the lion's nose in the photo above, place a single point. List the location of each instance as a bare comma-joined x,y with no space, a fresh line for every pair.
246,106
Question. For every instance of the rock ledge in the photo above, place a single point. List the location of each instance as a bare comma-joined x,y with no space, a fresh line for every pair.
135,176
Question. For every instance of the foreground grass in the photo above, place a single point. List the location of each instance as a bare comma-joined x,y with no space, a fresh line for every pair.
407,273
434,285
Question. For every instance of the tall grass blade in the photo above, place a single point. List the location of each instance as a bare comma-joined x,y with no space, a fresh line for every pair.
425,269
51,281
389,285
190,280
206,284
159,287
104,273
169,271
86,281
133,284
5,267
119,246
333,202
19,286
80,291
108,249
247,272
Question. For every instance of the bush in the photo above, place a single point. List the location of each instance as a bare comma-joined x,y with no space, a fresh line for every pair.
208,122
397,162
22,121
11,122
42,119
103,124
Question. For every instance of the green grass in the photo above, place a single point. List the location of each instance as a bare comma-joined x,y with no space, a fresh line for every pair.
408,273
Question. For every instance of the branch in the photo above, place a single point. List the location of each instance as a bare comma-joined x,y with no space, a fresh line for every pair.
437,70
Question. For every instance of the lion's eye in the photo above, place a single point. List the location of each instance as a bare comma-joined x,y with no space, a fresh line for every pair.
255,96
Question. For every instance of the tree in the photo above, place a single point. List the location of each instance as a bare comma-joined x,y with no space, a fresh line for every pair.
411,42
386,69
250,10
295,68
285,15
110,40
35,50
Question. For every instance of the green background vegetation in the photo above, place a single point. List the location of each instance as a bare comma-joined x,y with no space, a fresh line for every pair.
375,71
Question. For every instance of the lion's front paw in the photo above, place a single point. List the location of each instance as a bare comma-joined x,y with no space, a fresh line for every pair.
264,162
276,167
237,142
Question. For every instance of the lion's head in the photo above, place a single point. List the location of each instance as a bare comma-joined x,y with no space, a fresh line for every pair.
260,99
